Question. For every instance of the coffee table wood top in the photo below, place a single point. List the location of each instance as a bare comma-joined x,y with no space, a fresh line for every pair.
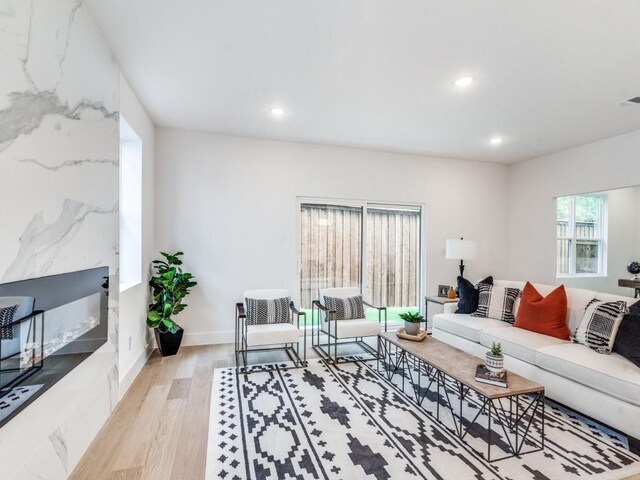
461,366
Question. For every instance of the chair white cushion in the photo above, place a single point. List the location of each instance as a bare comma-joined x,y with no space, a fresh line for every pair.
518,342
466,326
272,334
353,328
612,374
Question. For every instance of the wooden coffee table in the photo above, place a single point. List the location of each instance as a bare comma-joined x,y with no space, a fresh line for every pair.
453,370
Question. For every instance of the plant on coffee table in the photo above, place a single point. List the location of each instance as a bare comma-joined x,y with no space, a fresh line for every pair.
412,321
495,358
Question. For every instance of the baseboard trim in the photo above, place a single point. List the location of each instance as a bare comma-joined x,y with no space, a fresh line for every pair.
135,369
208,338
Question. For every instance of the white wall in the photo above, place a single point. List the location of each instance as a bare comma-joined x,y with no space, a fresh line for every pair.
230,204
135,342
533,185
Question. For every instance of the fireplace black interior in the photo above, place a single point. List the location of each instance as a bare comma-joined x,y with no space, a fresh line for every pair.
57,322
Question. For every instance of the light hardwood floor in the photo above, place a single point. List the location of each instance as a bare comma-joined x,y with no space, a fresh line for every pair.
159,429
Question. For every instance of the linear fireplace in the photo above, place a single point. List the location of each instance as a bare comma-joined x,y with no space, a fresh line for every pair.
48,326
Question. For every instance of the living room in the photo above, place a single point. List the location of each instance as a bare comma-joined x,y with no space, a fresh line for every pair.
244,135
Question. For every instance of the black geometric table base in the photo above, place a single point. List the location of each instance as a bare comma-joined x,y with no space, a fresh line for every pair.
511,415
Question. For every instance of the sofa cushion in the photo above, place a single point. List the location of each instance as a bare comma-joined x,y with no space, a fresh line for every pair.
612,374
545,315
518,342
469,294
628,338
466,326
600,324
496,302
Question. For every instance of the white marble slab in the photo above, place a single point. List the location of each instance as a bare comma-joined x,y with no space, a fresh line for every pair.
59,181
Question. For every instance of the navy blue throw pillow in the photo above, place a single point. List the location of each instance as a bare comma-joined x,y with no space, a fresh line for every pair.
627,341
469,294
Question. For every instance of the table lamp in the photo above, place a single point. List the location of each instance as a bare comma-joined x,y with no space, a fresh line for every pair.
461,250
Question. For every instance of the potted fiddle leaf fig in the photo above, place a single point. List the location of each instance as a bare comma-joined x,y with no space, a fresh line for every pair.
495,359
412,321
169,286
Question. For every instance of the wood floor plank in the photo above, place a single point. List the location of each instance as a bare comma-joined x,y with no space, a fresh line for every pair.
162,449
179,388
128,474
132,451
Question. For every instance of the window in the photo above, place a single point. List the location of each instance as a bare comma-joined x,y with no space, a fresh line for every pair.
375,247
581,235
130,206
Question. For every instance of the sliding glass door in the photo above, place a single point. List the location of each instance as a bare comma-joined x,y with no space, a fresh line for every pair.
375,247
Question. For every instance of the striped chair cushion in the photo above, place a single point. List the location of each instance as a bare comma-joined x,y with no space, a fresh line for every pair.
262,311
350,308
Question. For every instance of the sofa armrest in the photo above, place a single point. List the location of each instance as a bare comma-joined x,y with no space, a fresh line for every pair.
450,307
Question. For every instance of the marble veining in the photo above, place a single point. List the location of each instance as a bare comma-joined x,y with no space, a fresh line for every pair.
40,242
71,163
59,443
27,109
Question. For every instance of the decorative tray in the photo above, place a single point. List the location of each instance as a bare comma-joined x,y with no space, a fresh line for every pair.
416,338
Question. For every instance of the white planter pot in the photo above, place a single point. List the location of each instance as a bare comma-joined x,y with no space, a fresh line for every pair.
411,328
495,363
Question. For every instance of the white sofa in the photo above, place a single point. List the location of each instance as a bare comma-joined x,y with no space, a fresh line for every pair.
604,387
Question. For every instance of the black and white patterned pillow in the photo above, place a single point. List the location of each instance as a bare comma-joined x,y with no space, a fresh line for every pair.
496,302
350,308
263,312
599,325
6,317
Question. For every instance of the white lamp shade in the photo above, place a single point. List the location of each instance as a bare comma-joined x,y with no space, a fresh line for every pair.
461,249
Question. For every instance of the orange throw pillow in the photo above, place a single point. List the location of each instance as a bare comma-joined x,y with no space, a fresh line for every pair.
546,315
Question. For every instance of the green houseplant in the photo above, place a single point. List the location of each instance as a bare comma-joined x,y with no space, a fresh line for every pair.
412,321
169,286
495,359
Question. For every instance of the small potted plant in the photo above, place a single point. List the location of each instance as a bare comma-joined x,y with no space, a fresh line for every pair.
169,286
412,321
495,359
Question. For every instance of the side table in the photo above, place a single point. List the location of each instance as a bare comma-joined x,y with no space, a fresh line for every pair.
437,300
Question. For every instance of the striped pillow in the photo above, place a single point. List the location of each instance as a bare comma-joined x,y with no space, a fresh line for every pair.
263,312
349,308
496,302
599,325
6,318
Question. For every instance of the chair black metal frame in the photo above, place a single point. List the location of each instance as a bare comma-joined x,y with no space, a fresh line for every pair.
332,338
242,348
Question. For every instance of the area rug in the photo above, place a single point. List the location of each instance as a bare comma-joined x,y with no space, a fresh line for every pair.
11,400
349,422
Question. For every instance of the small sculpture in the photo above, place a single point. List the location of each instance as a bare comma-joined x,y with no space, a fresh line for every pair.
634,269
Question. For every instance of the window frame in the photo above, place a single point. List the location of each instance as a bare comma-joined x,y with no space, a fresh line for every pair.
601,239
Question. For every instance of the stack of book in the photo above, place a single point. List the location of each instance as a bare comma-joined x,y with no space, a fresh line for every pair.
484,375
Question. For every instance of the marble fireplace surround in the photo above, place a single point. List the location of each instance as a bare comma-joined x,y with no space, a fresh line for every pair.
59,181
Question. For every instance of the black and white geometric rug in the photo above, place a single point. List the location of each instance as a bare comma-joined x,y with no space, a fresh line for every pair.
349,422
11,400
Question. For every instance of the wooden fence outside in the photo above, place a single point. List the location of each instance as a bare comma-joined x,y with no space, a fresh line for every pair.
583,230
331,243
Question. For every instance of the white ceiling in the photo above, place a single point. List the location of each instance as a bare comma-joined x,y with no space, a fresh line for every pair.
378,73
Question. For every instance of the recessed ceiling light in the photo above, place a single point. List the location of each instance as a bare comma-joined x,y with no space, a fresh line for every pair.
277,111
496,140
463,82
